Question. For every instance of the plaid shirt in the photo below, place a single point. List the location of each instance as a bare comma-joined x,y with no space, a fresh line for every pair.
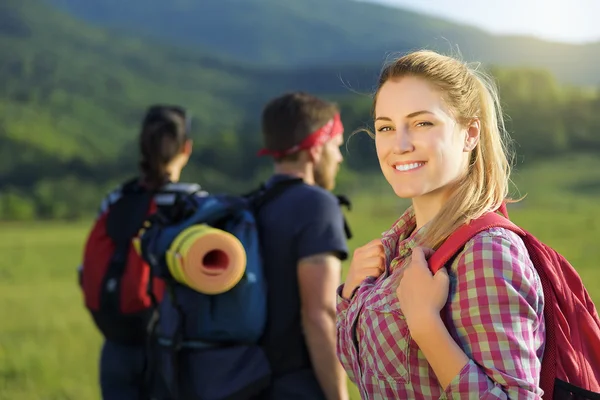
496,309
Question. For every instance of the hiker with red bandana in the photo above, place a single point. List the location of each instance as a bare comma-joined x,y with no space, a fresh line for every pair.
304,243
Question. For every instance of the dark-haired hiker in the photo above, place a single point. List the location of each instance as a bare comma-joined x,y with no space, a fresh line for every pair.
114,279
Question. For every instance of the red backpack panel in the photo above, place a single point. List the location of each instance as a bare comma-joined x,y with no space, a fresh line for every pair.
114,278
571,362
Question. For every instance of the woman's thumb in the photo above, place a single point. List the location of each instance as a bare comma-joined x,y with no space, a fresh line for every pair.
442,276
427,252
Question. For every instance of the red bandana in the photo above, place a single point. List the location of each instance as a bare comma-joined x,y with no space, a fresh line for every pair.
327,132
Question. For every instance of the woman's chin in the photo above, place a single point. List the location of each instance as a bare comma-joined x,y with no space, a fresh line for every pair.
405,192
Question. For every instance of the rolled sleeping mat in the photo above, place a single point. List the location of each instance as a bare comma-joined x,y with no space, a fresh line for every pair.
208,260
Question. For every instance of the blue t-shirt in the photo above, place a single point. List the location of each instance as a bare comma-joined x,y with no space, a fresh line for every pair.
302,221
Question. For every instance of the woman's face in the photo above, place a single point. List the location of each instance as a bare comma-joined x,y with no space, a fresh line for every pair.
420,146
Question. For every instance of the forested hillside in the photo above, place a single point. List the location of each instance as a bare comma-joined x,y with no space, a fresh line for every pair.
327,32
72,96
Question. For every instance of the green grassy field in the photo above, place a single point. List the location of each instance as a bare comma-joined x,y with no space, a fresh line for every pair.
49,348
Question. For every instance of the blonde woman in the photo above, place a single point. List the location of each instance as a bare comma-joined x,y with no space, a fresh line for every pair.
440,142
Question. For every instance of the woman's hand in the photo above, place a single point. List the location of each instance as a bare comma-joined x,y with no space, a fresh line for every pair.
368,260
422,295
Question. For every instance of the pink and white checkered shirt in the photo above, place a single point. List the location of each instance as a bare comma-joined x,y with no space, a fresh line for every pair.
496,313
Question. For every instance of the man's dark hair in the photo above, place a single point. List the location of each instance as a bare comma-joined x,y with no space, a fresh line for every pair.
288,119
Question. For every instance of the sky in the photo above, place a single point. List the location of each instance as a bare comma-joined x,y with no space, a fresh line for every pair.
546,19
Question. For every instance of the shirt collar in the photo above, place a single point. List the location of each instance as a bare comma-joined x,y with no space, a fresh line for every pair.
401,238
276,178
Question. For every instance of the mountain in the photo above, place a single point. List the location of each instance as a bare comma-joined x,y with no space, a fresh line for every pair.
77,92
326,32
73,94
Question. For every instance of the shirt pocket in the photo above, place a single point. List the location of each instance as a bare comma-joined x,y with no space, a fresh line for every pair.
385,341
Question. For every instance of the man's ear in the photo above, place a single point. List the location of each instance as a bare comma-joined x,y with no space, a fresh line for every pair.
315,153
473,134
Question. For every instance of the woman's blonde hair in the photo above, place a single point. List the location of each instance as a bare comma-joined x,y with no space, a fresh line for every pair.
469,94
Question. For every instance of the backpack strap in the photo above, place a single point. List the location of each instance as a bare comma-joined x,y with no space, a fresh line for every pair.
259,197
264,194
124,219
457,240
345,201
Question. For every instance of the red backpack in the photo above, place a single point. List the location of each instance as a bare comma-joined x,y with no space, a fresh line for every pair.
571,362
115,280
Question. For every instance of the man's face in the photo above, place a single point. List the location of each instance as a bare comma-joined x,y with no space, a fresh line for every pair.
328,164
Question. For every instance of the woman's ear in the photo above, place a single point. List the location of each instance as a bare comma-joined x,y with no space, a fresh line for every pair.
473,133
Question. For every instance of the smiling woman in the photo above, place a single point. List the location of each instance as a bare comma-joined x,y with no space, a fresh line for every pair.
440,142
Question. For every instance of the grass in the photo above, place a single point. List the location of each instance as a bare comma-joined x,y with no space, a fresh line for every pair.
49,347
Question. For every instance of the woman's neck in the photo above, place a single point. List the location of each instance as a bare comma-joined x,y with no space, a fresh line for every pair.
174,174
426,207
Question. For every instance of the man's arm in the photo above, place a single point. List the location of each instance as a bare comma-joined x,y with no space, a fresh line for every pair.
318,277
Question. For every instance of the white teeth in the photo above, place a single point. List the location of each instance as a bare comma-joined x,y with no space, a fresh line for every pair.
408,167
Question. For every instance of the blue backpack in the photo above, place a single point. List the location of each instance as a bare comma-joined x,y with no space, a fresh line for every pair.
207,346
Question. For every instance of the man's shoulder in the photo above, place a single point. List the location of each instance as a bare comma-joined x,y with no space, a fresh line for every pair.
313,196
